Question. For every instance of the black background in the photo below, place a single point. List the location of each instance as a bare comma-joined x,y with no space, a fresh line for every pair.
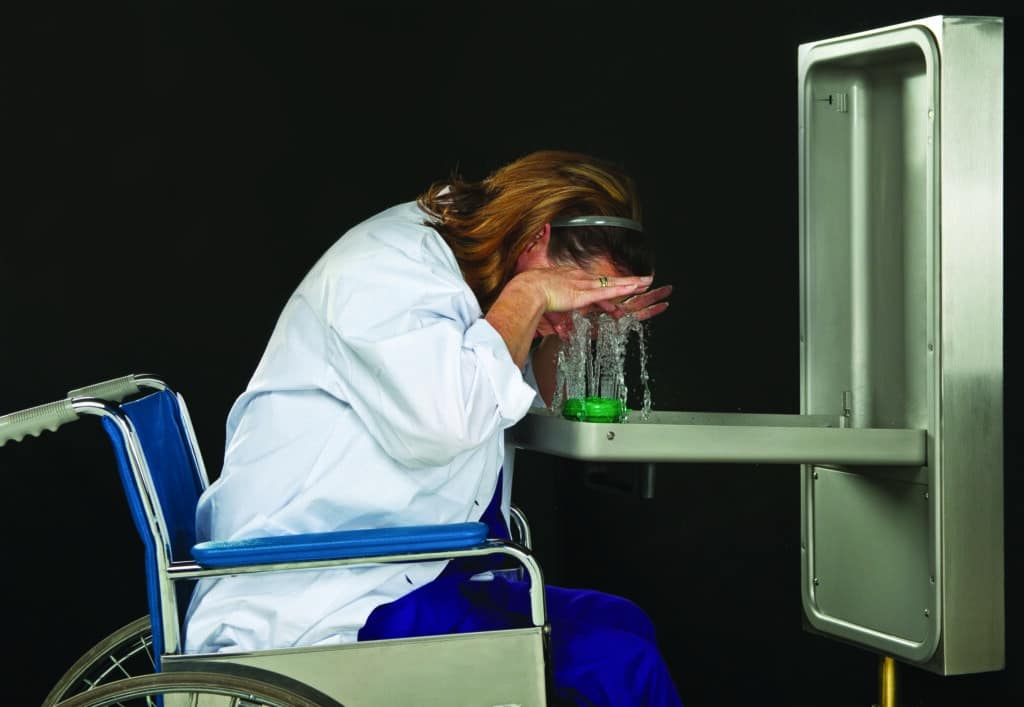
173,169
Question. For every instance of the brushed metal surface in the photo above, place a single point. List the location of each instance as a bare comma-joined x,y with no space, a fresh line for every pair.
720,438
871,549
970,439
868,182
491,668
901,304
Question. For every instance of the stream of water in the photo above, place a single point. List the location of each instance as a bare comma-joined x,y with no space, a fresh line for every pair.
592,362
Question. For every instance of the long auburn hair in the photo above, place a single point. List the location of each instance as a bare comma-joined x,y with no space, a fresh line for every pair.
489,223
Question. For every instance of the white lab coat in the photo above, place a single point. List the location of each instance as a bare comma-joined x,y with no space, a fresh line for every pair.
381,400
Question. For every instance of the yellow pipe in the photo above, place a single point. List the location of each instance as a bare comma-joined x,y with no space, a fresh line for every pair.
886,682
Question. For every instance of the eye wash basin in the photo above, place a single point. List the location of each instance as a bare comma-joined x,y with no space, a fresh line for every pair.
720,437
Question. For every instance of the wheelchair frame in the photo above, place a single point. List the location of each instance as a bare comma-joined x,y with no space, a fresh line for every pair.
506,667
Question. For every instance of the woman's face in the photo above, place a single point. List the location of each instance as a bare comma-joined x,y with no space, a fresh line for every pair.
536,256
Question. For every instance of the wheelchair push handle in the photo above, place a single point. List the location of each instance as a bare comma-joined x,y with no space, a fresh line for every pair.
50,416
115,389
33,421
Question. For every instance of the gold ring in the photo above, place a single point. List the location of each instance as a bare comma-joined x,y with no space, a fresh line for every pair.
603,280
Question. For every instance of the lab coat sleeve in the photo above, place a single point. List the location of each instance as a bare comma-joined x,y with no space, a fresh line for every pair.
425,372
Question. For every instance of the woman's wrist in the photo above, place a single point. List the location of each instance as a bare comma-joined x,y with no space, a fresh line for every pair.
515,315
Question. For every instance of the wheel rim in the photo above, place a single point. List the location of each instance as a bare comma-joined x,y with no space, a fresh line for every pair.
127,652
147,689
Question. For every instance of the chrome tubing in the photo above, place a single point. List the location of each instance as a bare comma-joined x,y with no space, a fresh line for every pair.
538,609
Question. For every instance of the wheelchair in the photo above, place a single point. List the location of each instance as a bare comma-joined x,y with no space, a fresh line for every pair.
162,473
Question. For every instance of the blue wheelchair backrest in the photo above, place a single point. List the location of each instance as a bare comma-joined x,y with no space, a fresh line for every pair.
175,478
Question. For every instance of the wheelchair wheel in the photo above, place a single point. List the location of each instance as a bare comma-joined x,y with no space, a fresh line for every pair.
194,688
126,652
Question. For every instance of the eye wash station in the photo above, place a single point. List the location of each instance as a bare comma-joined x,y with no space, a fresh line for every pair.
899,436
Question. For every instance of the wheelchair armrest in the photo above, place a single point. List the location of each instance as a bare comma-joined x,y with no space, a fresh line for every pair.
520,529
341,544
401,544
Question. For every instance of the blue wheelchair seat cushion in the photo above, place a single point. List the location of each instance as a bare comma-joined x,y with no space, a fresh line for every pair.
342,544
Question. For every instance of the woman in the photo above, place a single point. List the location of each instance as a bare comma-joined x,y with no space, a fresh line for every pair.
382,398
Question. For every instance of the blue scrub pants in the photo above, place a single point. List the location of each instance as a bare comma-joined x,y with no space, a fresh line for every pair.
603,647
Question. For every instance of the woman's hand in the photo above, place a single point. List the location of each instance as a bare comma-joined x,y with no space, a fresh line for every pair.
531,294
644,305
566,288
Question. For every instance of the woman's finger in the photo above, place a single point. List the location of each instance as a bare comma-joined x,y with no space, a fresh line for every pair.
645,299
569,289
651,311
